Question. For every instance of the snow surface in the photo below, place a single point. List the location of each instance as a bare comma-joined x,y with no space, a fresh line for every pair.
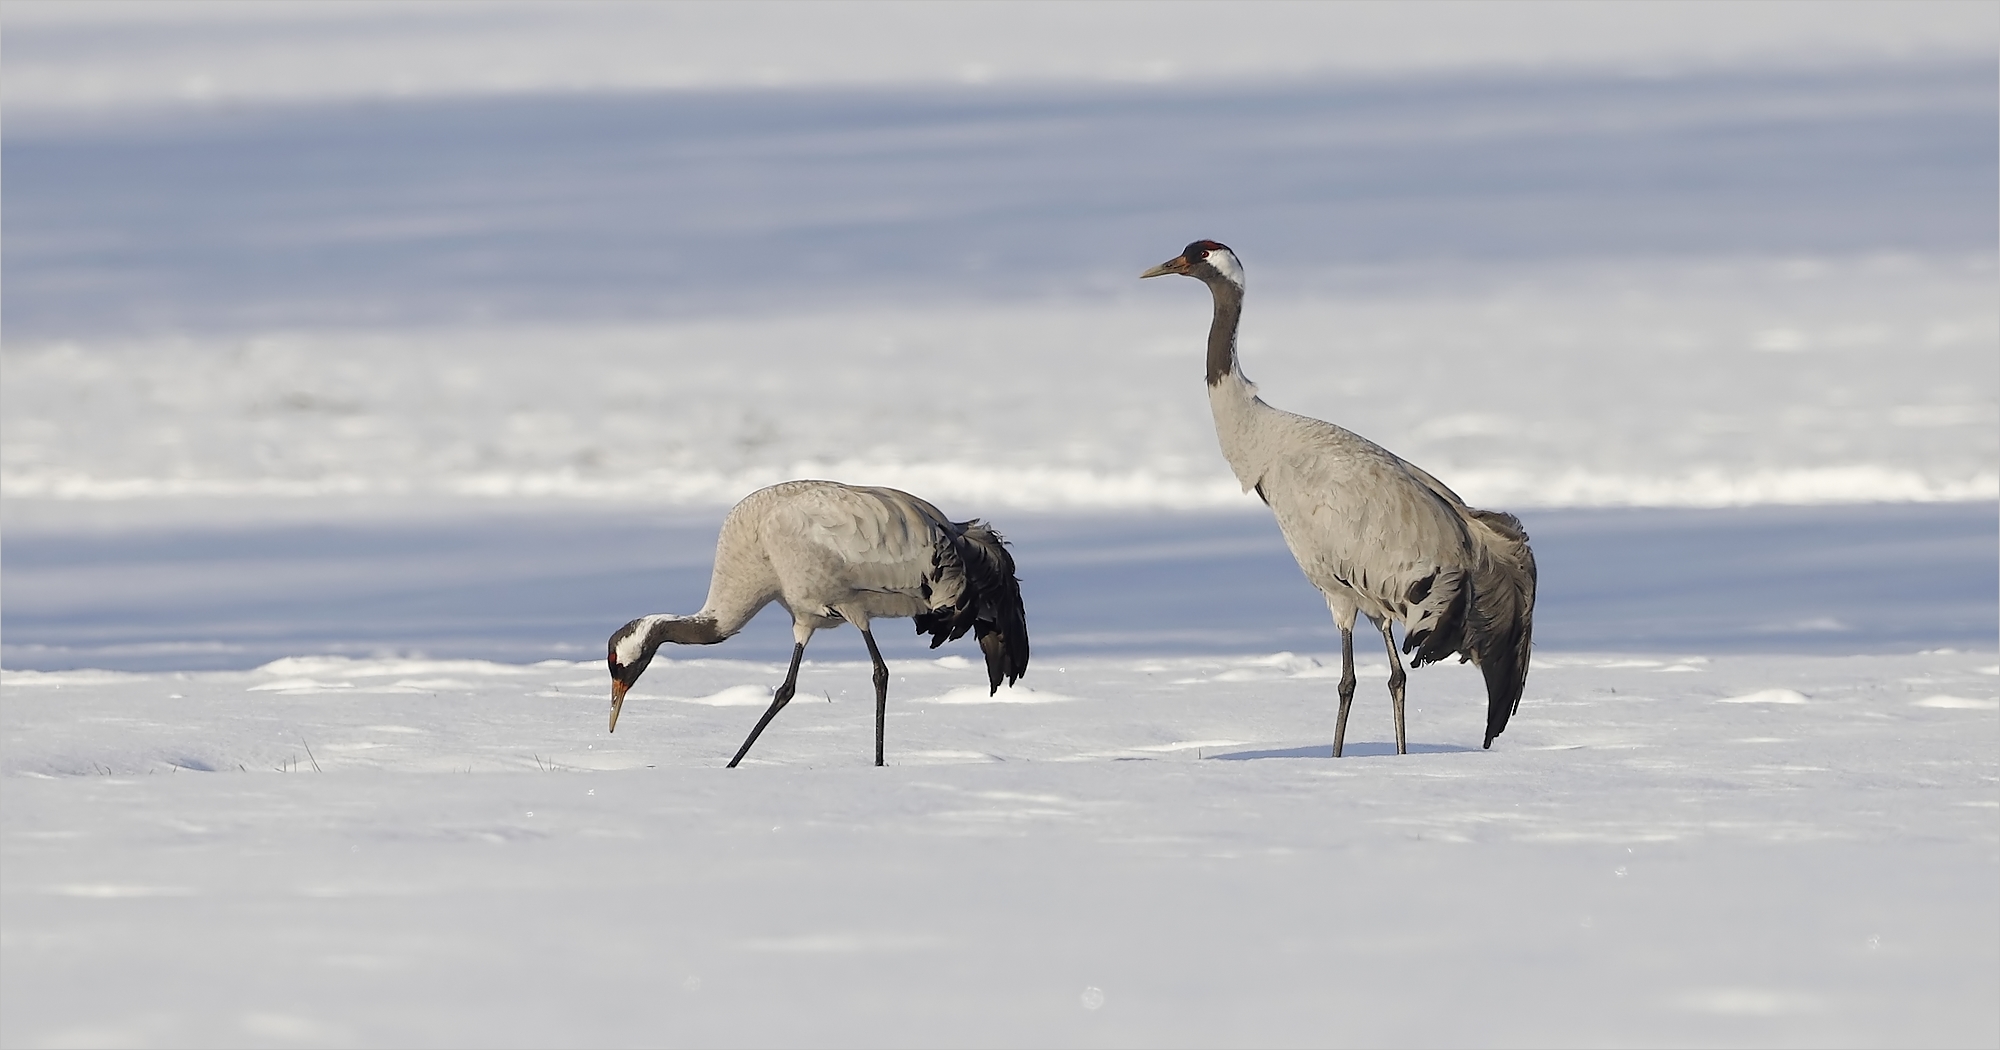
66,57
474,375
1750,287
152,585
1701,384
1660,850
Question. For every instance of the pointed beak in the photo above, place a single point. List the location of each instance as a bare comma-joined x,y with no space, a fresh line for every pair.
1179,264
617,701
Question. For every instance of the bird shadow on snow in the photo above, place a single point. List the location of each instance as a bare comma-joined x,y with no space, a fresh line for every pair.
1358,749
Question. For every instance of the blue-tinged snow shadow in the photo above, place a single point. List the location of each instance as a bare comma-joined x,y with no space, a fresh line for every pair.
524,587
300,216
1356,749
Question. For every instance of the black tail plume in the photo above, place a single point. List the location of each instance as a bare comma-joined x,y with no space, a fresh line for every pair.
1501,627
1001,622
990,606
1436,627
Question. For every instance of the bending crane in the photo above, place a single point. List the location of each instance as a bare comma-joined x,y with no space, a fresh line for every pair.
833,554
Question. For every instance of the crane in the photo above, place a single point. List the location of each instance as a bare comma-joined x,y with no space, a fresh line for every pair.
1377,535
833,554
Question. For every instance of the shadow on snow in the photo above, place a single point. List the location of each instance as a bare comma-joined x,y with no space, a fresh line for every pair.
1358,749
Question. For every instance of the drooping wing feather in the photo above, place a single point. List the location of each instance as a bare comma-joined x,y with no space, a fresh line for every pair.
1001,620
1501,633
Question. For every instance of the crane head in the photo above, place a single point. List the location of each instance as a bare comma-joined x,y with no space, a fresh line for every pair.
631,648
1208,261
633,645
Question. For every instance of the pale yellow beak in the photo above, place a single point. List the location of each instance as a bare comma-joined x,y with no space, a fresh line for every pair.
617,701
1179,264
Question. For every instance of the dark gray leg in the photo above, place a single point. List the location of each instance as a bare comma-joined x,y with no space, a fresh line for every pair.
1346,688
1396,679
778,702
881,690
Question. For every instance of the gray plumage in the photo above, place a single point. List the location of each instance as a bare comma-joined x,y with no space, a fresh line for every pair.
1378,536
833,554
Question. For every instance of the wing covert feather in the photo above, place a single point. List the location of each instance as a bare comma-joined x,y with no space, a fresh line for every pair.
869,539
1356,516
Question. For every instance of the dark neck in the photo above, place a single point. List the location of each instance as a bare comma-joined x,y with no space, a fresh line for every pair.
1222,332
695,630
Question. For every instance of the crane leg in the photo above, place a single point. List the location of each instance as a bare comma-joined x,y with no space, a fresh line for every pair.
778,702
881,690
1396,679
1346,688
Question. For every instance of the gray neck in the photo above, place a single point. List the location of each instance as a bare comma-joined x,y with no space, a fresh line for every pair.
1222,332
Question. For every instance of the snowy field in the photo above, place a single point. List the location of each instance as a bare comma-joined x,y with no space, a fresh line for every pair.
1744,850
1764,383
1562,291
199,589
365,365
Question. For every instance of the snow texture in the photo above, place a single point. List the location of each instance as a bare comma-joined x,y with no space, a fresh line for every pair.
67,59
201,587
1550,291
402,852
370,331
1763,385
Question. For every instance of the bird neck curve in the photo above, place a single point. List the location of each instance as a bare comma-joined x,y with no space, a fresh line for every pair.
1240,415
682,630
634,644
1222,331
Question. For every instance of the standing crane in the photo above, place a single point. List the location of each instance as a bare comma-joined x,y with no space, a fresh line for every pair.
1377,535
833,554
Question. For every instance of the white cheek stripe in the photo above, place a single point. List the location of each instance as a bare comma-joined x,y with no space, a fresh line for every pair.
1225,263
633,645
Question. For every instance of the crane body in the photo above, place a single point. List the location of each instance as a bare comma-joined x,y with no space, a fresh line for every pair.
832,554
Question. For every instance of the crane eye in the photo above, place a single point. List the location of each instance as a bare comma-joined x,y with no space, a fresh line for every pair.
1204,253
